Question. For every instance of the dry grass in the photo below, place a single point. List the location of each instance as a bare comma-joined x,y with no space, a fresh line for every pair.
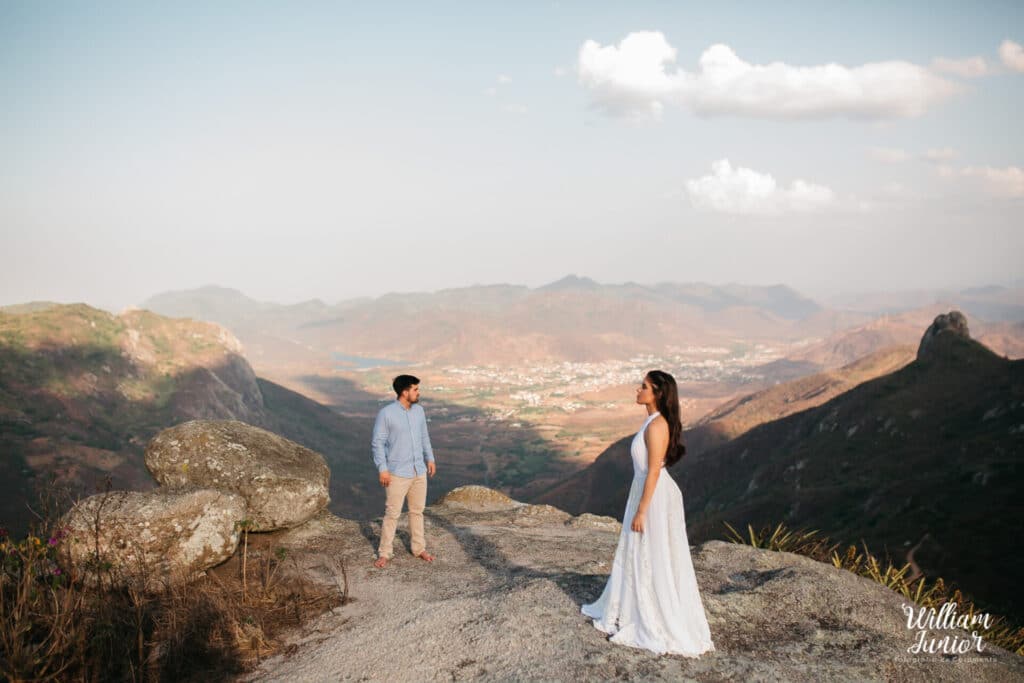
56,627
921,590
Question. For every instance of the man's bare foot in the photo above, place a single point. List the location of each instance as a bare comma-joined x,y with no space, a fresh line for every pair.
425,556
381,562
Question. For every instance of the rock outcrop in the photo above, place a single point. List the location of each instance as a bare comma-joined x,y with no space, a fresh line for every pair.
217,477
502,601
952,323
149,538
477,498
589,521
283,483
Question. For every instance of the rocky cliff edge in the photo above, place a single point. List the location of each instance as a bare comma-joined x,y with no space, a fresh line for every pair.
502,601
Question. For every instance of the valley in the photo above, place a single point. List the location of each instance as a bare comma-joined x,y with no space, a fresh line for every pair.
523,428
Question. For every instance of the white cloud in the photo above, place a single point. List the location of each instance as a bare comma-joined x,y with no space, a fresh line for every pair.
745,191
968,67
894,191
630,79
938,155
639,77
1012,55
1000,182
492,91
888,155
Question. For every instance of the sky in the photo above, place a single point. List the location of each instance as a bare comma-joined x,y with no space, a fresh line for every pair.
335,150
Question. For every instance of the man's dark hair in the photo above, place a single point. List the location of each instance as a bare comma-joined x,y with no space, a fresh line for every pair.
403,382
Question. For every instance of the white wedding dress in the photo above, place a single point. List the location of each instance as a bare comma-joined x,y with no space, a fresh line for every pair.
651,599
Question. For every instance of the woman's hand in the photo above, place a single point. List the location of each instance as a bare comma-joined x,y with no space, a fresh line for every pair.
639,520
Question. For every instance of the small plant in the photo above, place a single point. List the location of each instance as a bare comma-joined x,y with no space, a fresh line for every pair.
1001,631
37,615
780,538
245,525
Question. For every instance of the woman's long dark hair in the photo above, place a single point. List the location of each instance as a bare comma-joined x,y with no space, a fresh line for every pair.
666,395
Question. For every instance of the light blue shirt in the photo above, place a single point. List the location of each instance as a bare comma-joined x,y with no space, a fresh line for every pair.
400,441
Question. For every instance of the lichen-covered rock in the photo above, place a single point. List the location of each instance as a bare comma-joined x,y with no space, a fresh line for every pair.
599,522
151,538
533,515
478,498
283,483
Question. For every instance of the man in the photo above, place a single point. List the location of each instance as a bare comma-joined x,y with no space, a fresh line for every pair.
404,458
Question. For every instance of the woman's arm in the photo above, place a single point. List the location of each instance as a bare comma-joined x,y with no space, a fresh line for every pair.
656,439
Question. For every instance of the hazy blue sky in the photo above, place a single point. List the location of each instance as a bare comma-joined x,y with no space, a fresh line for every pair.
332,150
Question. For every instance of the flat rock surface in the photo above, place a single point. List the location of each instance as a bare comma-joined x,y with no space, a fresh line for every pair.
502,602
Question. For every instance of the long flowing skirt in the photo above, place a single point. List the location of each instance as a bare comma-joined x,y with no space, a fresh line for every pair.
651,599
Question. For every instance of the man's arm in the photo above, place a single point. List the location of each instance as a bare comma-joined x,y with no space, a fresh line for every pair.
379,442
428,450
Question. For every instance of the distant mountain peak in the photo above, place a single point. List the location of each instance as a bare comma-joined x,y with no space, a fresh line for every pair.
211,287
952,323
571,282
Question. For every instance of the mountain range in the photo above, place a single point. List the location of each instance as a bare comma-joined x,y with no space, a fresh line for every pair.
578,319
574,319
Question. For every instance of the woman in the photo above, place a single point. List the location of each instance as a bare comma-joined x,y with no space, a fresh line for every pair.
651,599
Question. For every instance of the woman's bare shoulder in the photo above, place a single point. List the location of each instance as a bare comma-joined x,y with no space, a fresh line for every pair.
659,425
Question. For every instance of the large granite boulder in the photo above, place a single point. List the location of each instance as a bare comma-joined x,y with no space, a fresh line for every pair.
473,497
150,538
283,483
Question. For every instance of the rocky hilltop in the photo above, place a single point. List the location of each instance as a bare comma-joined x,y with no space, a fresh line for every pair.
82,391
502,600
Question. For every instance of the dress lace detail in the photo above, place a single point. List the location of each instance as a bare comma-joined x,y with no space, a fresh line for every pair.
651,599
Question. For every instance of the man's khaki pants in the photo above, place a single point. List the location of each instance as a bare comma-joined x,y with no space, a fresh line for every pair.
416,490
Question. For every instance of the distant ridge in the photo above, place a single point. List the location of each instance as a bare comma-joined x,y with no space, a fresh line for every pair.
995,303
574,318
29,307
570,282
